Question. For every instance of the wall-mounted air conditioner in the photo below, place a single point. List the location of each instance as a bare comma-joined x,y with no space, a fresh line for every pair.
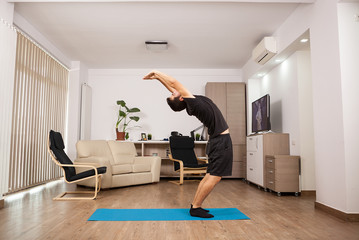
265,50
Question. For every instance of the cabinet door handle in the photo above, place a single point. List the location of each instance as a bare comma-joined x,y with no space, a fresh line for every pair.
270,171
251,154
270,161
271,182
251,169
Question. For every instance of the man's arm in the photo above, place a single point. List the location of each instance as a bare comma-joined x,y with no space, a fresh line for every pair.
170,83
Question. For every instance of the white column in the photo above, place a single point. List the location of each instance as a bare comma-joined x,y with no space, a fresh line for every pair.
7,69
77,76
348,15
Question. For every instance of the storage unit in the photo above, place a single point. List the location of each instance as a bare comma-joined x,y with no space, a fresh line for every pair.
230,97
282,173
161,148
260,145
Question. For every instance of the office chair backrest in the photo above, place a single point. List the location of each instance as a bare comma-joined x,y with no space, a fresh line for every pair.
182,148
57,147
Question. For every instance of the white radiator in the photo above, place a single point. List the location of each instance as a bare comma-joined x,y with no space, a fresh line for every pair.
7,69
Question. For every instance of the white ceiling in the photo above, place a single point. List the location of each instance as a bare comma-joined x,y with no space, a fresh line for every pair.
201,34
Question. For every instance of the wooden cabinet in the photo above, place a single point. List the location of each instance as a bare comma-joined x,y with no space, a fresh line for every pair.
260,145
162,149
282,173
230,98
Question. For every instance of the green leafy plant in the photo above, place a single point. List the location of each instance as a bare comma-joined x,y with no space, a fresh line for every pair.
198,136
124,118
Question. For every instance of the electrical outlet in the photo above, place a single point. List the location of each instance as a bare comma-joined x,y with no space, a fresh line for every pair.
356,17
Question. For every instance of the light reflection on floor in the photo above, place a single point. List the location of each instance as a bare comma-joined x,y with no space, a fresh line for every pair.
31,191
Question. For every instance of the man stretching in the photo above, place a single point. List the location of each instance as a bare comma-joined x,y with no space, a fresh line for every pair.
219,146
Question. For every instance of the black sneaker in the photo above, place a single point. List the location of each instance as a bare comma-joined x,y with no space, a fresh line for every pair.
200,212
201,208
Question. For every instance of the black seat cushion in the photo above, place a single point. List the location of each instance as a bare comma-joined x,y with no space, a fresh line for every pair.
88,173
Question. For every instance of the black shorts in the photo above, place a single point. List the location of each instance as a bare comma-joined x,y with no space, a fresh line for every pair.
220,155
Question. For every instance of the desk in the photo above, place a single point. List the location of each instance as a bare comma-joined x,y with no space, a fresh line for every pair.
161,148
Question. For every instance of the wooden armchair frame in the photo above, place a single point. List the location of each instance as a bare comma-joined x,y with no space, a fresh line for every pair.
186,170
84,165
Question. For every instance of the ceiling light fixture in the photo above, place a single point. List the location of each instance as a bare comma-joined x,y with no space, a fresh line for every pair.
304,40
156,45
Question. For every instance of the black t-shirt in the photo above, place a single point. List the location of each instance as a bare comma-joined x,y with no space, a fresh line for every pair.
208,113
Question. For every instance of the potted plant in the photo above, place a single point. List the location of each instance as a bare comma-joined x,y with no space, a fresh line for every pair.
198,136
124,119
149,136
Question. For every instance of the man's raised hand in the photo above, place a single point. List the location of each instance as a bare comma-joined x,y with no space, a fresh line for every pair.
150,76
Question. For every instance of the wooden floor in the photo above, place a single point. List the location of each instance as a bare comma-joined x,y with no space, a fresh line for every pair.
33,215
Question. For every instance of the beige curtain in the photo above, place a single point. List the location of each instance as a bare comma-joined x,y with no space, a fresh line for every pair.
39,104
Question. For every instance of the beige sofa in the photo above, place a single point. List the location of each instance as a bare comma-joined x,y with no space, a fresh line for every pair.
124,167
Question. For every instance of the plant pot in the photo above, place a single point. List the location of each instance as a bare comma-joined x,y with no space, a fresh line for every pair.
120,135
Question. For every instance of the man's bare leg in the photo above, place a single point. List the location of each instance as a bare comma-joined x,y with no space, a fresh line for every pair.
195,199
204,189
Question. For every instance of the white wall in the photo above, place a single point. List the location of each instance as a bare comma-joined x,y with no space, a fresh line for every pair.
327,99
349,51
281,84
329,116
7,11
288,86
157,118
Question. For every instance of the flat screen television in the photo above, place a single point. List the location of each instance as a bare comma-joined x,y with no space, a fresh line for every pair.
261,114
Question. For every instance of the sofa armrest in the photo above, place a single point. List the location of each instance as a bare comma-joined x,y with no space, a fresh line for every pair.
155,162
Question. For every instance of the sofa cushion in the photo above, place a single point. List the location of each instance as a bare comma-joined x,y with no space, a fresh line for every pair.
141,168
121,169
94,148
122,152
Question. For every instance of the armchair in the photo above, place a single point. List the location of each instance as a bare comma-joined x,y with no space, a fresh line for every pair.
55,146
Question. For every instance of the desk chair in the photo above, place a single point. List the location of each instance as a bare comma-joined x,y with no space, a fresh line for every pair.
184,157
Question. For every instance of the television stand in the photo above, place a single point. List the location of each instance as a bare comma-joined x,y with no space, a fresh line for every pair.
258,147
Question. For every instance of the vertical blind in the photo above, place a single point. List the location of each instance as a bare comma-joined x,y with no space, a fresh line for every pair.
39,105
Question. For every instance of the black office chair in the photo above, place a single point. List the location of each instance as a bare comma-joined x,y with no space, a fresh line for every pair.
55,146
184,157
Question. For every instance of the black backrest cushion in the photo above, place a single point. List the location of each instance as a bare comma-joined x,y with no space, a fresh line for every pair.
182,148
58,141
57,147
181,142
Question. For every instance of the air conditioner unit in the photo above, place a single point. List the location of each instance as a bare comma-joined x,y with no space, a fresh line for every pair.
265,50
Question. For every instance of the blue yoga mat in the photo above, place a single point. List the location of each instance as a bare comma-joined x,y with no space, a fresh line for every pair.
171,214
